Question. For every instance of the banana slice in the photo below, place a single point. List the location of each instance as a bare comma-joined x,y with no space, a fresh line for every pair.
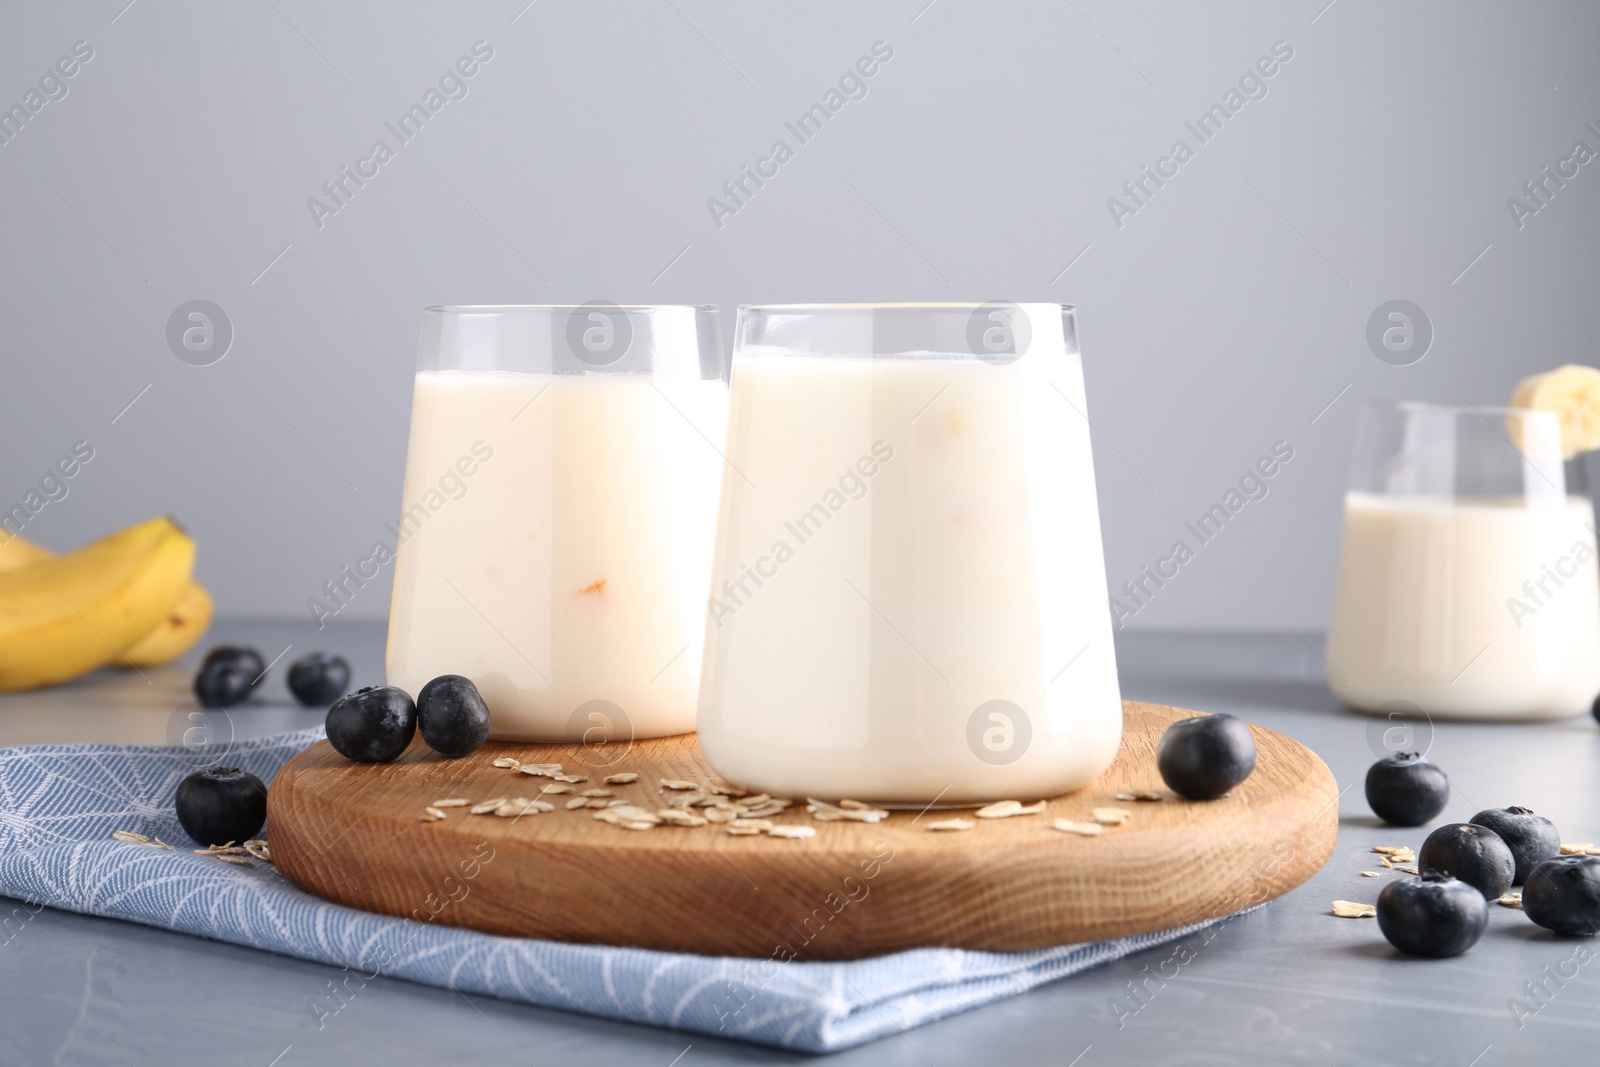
1573,393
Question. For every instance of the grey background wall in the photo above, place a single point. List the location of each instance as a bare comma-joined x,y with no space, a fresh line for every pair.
1227,312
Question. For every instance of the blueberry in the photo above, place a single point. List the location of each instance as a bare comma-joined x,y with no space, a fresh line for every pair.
222,804
455,720
1204,757
246,658
1531,838
372,725
1434,915
1474,854
222,684
319,678
1563,894
1406,790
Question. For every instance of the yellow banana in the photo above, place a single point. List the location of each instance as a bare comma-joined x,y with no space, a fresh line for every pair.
178,631
17,552
65,615
1572,392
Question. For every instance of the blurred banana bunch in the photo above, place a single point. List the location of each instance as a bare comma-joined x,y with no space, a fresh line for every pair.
128,599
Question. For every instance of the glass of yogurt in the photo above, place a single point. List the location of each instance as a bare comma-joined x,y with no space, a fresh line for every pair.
908,596
1467,578
558,514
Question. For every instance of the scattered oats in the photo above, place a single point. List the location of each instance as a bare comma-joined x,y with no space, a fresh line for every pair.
156,842
452,802
678,783
764,810
595,802
1372,874
1390,850
609,816
239,861
1000,809
951,825
1384,861
615,803
753,824
508,761
597,793
130,836
1511,900
679,817
1110,816
638,824
1580,848
258,848
488,806
1406,868
522,806
742,831
793,831
1350,909
431,814
577,802
1141,794
1086,829
633,813
554,790
854,805
823,811
570,777
621,779
722,789
719,815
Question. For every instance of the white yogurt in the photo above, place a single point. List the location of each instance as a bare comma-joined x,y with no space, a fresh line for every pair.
908,594
568,580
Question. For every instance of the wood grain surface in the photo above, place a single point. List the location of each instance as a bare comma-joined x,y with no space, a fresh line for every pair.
350,833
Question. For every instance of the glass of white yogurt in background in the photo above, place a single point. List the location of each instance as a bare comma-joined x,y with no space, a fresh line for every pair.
1467,579
558,515
908,598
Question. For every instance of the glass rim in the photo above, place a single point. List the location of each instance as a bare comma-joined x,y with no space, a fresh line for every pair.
904,305
1430,407
507,309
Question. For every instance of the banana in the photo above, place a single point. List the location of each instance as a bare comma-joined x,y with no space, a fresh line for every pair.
1573,392
62,616
17,552
177,633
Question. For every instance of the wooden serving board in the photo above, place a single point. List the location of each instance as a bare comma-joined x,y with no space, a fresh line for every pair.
350,833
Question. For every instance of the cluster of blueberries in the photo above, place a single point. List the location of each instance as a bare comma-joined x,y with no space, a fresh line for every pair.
374,724
229,674
1465,865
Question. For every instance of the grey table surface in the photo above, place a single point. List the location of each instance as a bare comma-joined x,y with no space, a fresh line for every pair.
1286,984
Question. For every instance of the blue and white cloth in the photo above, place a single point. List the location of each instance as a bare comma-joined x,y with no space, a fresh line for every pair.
59,805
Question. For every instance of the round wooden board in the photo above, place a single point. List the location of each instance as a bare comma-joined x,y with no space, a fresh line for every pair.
349,832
